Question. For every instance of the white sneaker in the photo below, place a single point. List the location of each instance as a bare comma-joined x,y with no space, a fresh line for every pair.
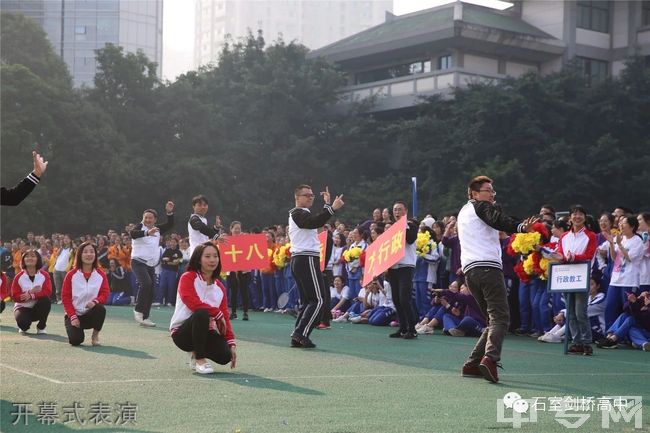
156,304
356,319
41,331
192,361
554,338
205,368
646,346
340,319
426,329
455,332
139,317
148,323
21,332
59,302
169,305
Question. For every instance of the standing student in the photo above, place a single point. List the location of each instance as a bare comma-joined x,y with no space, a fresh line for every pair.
197,226
578,244
85,290
201,324
4,290
63,258
31,290
305,259
145,255
238,281
400,277
626,249
171,260
479,223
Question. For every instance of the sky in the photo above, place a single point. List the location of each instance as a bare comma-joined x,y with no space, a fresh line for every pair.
178,29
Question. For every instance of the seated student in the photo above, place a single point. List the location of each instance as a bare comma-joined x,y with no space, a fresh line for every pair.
375,297
556,333
385,311
340,295
201,323
595,311
85,290
633,324
357,307
433,318
463,315
118,284
640,332
596,308
31,290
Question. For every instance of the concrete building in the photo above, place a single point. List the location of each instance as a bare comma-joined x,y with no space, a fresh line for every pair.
311,22
431,51
78,27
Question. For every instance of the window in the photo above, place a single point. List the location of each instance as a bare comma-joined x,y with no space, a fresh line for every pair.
444,62
80,33
405,69
645,13
593,70
593,15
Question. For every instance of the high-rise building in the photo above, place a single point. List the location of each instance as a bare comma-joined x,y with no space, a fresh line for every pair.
76,28
313,23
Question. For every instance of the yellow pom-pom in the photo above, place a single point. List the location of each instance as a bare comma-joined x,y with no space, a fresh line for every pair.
524,243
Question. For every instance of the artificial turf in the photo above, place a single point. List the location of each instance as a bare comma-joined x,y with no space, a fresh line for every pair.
356,380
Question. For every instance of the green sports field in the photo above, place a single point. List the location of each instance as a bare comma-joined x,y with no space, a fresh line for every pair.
356,380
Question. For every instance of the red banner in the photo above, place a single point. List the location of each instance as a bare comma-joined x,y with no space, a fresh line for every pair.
322,238
388,249
244,253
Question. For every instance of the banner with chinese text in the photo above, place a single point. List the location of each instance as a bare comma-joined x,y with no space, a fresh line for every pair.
384,252
322,238
244,253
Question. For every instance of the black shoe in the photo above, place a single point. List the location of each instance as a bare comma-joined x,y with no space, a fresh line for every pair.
587,350
410,335
521,332
245,316
576,349
295,342
608,344
307,343
233,315
397,334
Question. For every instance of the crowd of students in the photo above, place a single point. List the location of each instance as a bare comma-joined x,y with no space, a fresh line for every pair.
41,269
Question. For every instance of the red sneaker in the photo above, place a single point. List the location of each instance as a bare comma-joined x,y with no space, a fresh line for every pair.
323,325
489,369
469,370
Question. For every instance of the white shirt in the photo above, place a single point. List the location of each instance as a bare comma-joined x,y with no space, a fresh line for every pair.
345,293
625,273
62,260
644,270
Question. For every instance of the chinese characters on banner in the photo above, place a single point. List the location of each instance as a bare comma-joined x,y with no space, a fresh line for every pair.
387,250
322,238
244,253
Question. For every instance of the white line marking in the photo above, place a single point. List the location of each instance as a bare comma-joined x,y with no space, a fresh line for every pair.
58,382
231,376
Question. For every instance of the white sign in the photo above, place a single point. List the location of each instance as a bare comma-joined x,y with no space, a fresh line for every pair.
569,277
